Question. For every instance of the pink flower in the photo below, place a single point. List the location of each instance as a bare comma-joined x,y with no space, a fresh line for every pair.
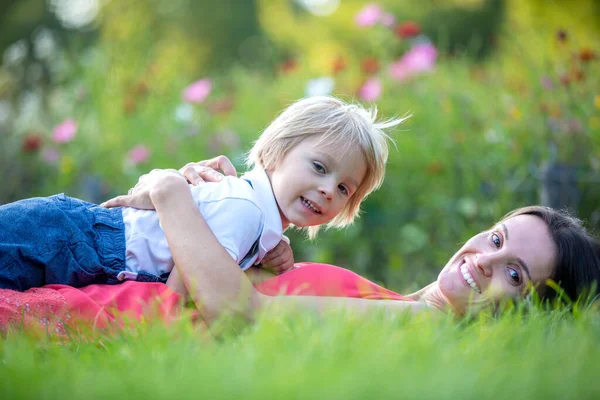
139,154
419,59
371,90
369,15
197,91
387,19
65,131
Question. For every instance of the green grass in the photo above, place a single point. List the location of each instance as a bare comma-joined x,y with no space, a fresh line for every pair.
521,355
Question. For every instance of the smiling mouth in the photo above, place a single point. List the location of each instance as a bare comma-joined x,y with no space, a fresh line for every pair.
309,205
469,279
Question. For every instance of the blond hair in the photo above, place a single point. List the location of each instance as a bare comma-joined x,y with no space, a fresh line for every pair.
344,127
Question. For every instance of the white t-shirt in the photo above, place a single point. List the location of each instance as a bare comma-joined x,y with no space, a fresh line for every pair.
241,212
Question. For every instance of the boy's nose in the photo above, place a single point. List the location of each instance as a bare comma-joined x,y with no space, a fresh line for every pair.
326,190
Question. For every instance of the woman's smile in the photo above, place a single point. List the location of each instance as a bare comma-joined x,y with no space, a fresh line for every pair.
468,276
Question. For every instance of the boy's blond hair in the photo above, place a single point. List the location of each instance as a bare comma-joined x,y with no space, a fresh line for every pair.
344,128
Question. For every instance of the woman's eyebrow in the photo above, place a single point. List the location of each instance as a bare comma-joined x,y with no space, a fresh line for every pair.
519,259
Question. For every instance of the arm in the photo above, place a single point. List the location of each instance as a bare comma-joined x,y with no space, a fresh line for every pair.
215,282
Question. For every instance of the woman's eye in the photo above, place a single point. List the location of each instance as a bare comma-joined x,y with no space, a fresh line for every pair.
496,240
319,167
343,189
514,276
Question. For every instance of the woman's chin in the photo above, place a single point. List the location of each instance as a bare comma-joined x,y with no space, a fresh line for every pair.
459,297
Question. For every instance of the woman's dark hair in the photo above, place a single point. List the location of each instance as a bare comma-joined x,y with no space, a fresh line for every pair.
577,266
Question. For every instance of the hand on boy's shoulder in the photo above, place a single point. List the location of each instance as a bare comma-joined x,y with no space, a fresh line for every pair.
212,170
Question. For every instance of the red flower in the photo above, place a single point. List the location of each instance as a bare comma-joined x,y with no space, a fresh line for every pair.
339,64
221,106
289,65
435,167
370,65
141,89
586,55
577,75
32,143
407,29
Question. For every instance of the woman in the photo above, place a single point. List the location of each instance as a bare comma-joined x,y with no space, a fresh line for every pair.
526,248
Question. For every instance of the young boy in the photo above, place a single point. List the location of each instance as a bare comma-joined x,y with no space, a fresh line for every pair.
312,165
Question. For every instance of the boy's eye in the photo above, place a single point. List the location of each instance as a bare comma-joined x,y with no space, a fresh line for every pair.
319,167
496,240
343,189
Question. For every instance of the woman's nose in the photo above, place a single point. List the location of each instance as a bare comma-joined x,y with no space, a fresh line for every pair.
485,263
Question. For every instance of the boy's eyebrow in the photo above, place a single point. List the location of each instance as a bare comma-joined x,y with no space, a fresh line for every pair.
519,259
331,160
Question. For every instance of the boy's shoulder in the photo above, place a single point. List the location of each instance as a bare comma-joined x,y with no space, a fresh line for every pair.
230,188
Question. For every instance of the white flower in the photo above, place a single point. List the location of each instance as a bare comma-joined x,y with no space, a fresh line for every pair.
322,86
184,112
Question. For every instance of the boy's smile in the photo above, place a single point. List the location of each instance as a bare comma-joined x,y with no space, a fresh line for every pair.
311,186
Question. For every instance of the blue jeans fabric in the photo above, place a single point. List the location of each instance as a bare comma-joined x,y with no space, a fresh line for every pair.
59,239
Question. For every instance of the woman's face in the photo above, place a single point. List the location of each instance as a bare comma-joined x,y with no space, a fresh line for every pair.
499,263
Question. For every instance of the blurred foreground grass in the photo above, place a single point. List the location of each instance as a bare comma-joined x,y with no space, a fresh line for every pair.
519,355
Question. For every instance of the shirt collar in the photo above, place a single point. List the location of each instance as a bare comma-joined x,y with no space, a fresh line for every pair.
272,230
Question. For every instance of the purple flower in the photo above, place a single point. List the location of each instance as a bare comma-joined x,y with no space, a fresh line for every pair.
371,90
369,15
420,58
546,82
139,154
575,126
50,156
65,131
197,91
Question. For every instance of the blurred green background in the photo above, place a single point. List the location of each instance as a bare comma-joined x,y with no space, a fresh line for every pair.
505,98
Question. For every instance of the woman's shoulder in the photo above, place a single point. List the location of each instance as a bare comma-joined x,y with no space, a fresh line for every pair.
315,279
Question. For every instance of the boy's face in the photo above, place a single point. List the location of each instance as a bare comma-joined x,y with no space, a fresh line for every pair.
312,185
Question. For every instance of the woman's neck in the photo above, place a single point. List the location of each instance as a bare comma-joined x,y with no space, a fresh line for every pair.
432,295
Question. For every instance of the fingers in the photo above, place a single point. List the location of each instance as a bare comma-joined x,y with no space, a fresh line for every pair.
220,163
119,201
190,172
196,174
280,259
208,170
276,252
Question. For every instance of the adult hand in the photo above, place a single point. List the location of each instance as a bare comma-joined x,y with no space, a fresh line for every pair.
208,170
280,259
139,196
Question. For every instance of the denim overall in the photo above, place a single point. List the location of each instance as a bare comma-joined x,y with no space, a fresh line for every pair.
59,239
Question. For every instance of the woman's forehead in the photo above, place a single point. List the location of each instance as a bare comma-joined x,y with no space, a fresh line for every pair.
528,238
